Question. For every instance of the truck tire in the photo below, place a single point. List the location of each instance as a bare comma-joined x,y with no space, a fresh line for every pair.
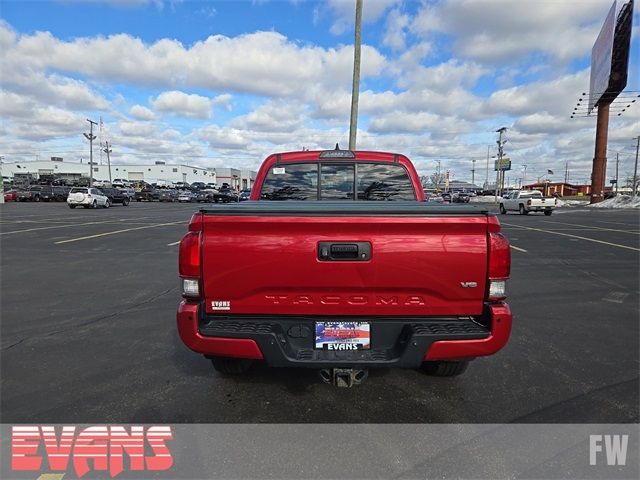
523,211
94,205
444,369
125,202
231,366
548,212
72,206
107,204
503,210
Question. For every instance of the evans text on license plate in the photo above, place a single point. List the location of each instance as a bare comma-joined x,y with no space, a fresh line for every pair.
343,335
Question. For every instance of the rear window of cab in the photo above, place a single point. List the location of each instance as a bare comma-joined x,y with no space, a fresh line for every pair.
338,181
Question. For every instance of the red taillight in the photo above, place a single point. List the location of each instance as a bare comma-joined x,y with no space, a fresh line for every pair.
189,256
499,256
499,267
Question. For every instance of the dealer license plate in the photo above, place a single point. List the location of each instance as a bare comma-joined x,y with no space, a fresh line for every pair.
343,335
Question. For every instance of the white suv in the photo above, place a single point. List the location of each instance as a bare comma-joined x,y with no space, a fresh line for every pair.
87,198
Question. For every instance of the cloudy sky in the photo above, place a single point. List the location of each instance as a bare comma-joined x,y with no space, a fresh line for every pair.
226,83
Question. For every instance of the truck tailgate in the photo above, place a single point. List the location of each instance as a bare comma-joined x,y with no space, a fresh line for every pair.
423,261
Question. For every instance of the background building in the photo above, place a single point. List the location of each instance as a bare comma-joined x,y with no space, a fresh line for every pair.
160,171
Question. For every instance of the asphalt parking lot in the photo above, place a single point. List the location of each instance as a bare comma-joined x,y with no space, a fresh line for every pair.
88,331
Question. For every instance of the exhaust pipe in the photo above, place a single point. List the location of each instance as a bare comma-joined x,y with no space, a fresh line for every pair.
343,377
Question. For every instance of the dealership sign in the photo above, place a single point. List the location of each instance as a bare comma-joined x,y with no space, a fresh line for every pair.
502,164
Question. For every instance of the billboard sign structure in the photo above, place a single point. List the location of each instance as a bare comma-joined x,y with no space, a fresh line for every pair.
601,55
502,164
610,55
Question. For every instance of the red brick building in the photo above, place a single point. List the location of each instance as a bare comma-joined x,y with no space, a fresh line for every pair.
563,189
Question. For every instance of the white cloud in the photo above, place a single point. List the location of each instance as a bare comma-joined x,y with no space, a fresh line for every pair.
395,34
273,116
183,105
495,31
223,101
269,65
344,12
142,113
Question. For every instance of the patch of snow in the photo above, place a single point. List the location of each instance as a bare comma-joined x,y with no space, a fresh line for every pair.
621,201
571,203
484,199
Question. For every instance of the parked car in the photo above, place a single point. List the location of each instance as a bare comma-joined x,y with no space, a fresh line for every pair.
198,186
204,195
460,197
102,183
526,201
118,182
11,196
187,196
212,186
88,198
244,195
225,195
147,195
446,197
116,195
61,193
168,195
320,284
25,195
182,185
46,194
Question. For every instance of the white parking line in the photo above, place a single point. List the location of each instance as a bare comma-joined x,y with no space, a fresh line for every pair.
575,236
115,232
519,249
593,227
174,243
54,226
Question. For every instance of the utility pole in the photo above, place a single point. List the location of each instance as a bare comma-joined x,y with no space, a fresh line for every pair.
355,88
500,172
617,165
91,137
1,180
473,173
107,150
524,175
486,180
438,177
635,167
566,171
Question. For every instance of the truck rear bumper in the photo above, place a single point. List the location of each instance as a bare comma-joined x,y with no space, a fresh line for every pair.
289,341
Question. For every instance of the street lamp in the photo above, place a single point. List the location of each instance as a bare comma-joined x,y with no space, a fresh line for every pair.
91,137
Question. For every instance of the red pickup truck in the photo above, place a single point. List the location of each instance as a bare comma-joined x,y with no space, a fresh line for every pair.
339,264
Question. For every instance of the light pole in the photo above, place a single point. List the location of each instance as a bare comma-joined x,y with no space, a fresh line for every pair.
524,175
355,87
91,137
473,173
108,151
486,180
500,172
635,167
1,179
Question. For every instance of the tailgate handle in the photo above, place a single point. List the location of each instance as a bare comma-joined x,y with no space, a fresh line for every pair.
336,251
